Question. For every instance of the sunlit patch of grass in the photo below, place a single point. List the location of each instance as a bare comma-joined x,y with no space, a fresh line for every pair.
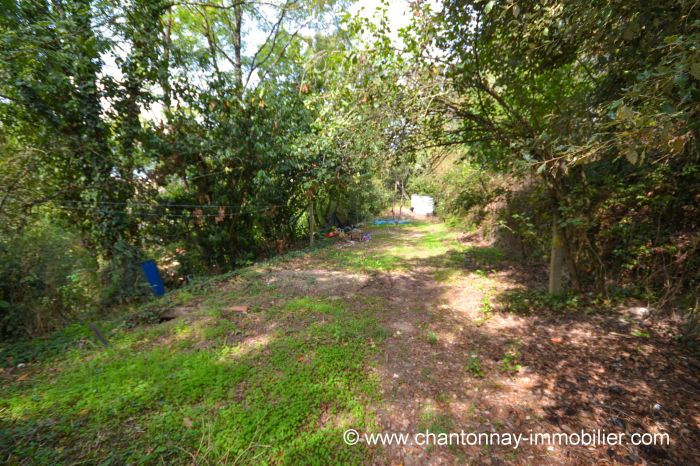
436,246
179,404
221,329
182,296
433,241
423,225
363,260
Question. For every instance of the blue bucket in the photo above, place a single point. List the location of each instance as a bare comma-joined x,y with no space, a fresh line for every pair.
153,276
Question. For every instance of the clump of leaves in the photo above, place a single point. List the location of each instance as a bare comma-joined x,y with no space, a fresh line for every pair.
510,364
475,366
534,300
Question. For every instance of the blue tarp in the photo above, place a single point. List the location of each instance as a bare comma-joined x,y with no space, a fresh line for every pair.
391,222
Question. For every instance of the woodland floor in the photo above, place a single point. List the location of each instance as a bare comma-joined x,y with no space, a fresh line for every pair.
415,329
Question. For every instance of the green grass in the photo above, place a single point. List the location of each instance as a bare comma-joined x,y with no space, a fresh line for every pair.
510,364
484,256
435,247
485,311
362,260
437,240
209,388
431,337
284,400
475,366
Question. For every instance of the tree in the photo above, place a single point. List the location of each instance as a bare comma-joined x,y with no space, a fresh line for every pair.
536,82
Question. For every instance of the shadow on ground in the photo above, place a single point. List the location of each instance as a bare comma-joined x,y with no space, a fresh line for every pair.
455,362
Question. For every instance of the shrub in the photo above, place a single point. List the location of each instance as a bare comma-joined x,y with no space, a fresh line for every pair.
47,278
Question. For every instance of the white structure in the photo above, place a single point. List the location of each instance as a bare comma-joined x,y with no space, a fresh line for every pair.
422,205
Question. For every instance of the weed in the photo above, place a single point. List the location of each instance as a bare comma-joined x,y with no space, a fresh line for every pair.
510,364
486,311
431,337
475,367
640,334
442,398
484,256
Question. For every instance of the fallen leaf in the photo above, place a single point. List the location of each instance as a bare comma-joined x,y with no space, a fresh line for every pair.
187,422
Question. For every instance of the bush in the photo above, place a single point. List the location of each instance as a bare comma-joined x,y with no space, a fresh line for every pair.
47,278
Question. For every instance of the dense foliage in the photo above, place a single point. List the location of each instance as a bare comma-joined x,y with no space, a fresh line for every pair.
594,107
152,129
207,134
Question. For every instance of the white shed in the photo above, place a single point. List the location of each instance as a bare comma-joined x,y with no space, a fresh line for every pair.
422,205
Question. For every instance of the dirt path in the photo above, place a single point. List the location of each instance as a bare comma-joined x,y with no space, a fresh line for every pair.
454,361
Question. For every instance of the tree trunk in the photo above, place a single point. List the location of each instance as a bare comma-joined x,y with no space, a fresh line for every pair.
556,260
212,45
311,223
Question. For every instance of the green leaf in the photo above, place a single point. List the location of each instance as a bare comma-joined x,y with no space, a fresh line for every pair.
694,70
631,155
625,113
